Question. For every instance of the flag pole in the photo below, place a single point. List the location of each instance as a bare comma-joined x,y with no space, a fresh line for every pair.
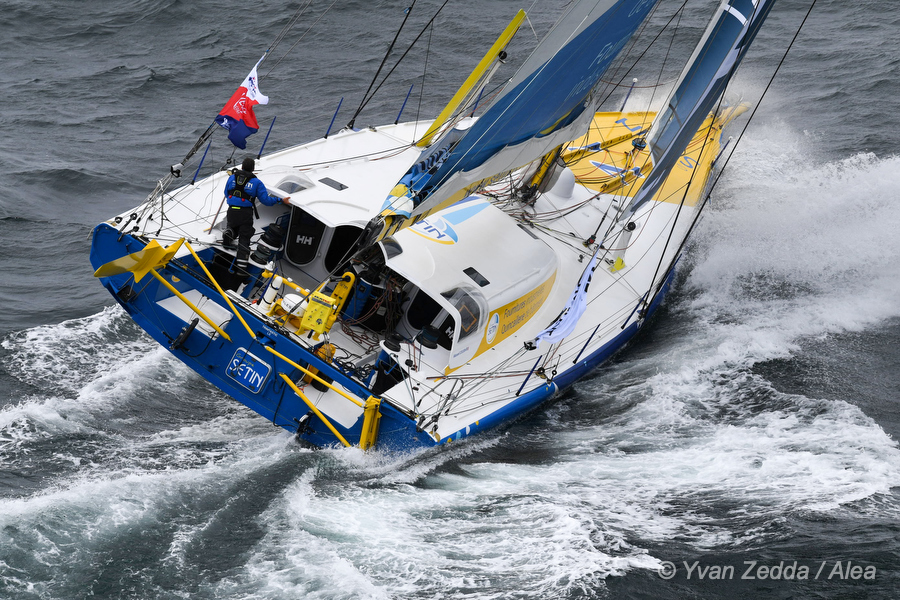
272,124
197,172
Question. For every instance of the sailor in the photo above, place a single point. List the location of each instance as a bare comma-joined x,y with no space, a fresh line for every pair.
243,190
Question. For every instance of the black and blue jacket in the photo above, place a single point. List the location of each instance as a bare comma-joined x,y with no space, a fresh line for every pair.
243,188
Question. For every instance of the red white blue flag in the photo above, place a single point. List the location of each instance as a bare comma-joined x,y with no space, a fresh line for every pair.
237,114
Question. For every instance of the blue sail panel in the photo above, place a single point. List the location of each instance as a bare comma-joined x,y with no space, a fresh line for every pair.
551,94
702,82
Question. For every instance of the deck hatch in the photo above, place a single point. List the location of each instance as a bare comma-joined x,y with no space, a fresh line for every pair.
476,276
332,183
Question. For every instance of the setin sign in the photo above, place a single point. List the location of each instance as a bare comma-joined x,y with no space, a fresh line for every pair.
248,370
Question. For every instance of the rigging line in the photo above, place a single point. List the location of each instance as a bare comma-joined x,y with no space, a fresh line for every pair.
527,12
381,66
421,90
610,323
637,87
560,236
620,61
647,49
431,390
386,152
647,298
287,27
653,208
310,28
737,141
557,214
614,85
529,22
663,66
478,384
485,376
399,60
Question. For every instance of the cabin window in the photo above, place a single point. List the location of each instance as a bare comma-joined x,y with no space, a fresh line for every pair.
476,276
391,247
422,310
469,311
293,184
304,237
342,241
334,184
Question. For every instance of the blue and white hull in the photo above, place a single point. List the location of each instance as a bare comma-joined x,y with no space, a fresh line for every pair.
435,353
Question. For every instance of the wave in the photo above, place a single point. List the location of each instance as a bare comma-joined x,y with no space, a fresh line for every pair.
801,252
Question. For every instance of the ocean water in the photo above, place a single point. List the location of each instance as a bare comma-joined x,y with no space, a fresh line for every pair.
749,437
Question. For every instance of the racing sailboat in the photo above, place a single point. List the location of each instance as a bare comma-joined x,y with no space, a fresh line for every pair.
419,289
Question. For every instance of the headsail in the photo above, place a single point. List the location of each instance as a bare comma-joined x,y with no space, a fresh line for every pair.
702,82
548,102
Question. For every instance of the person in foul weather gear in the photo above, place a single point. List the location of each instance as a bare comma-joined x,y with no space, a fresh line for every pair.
242,191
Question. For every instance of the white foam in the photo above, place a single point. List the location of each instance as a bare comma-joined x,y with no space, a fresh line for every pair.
68,354
807,252
349,540
100,504
85,368
683,440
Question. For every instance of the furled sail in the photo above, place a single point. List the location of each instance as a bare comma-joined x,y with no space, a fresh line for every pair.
702,82
548,102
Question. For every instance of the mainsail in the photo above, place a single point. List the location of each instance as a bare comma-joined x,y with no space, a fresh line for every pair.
548,102
702,82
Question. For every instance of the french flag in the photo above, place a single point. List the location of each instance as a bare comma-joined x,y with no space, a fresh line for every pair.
237,115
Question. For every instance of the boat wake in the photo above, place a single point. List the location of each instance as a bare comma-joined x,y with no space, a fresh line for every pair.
690,429
151,473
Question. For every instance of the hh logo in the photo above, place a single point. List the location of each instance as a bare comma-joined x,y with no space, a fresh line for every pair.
306,240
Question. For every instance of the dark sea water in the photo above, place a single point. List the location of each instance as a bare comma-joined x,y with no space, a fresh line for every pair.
757,420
